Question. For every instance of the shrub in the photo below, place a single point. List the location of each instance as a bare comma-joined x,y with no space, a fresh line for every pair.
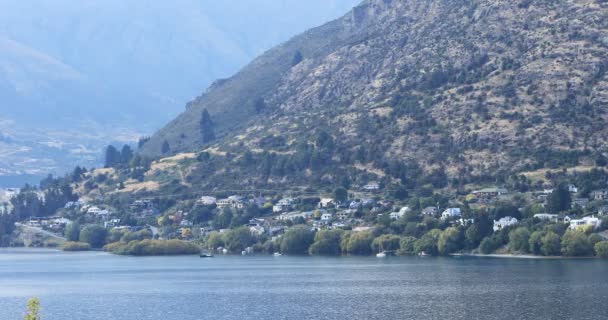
297,240
76,246
327,242
550,244
601,249
519,239
94,235
386,242
150,247
360,243
406,245
576,244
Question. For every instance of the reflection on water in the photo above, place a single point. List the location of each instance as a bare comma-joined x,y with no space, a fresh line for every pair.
102,286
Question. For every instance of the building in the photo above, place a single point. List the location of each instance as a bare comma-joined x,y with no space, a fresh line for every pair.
94,210
233,202
586,221
207,201
326,202
343,215
294,215
547,217
572,188
580,202
600,195
402,212
451,213
430,211
373,186
603,211
257,230
490,192
327,217
504,222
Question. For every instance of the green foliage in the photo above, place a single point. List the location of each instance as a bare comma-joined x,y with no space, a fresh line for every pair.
559,200
237,240
359,243
576,244
551,245
406,245
327,242
33,309
428,243
297,240
207,127
340,194
519,240
490,244
451,240
94,235
214,240
76,246
386,242
136,236
535,242
72,232
150,247
601,249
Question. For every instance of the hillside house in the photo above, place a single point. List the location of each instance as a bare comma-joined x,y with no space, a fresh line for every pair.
580,202
402,212
373,186
599,195
326,202
504,223
547,217
603,211
327,217
206,201
591,221
489,193
430,211
572,188
451,213
233,202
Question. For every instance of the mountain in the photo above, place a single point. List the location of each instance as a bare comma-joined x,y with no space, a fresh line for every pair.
424,92
125,66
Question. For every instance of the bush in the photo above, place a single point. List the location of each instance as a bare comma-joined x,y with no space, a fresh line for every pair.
451,240
428,243
406,245
601,249
386,242
136,236
360,243
150,247
550,244
327,242
519,240
490,244
535,242
576,244
72,232
94,235
76,246
297,240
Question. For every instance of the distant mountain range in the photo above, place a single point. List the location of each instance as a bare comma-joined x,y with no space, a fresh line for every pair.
110,67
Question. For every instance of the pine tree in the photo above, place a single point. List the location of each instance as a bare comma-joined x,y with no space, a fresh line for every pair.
112,157
207,130
165,149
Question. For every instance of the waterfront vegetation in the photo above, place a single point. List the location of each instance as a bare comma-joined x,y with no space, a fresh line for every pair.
150,247
76,246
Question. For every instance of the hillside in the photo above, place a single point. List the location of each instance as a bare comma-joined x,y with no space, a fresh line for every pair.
456,90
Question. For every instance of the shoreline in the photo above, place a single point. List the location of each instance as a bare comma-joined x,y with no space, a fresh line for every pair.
518,256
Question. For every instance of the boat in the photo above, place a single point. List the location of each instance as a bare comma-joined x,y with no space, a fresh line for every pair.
277,254
381,255
206,255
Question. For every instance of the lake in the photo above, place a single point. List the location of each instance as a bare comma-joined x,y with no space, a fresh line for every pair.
95,285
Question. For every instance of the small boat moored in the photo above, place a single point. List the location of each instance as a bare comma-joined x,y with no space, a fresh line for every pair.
381,255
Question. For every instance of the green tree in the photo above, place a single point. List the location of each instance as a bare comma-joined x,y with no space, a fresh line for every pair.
386,242
406,245
340,194
601,249
559,200
94,235
327,242
360,243
519,240
535,242
215,240
551,245
450,240
297,240
490,244
72,232
207,127
165,148
428,243
112,157
33,309
238,239
576,244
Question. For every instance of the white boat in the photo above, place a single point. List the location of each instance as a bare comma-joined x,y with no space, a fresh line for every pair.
381,255
277,254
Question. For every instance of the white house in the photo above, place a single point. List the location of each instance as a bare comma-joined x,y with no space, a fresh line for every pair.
343,215
400,214
451,213
207,201
257,230
591,221
94,210
373,186
600,194
234,202
326,202
572,188
429,211
547,217
504,222
326,217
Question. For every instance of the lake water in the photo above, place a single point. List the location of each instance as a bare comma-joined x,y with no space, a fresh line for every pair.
102,286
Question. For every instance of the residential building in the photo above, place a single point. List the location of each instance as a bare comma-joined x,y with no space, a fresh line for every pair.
343,215
373,186
547,217
490,192
590,221
233,202
257,230
207,201
504,222
603,211
327,217
572,188
94,210
430,211
402,212
580,202
600,195
451,213
326,202
464,222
